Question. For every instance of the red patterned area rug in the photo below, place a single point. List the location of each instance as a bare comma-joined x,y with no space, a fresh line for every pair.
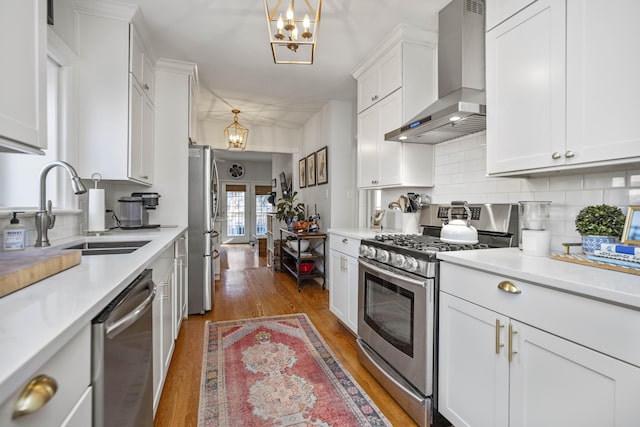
277,371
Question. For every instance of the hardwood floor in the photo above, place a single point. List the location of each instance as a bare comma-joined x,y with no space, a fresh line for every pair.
249,289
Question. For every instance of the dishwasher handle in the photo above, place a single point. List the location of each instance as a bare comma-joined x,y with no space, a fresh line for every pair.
114,328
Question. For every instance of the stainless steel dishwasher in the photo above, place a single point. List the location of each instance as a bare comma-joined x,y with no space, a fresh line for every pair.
122,340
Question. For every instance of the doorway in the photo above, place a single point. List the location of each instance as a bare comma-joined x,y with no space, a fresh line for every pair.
244,207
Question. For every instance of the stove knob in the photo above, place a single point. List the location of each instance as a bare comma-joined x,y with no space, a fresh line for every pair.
410,264
397,260
382,255
363,250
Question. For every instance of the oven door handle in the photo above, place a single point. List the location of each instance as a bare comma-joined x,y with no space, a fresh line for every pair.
389,276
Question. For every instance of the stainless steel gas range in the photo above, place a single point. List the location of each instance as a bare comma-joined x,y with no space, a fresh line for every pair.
398,301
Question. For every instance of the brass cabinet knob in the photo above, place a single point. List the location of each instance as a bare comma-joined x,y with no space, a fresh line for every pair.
34,396
569,154
556,155
345,240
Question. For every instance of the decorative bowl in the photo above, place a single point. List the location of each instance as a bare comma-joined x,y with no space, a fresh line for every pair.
293,244
306,266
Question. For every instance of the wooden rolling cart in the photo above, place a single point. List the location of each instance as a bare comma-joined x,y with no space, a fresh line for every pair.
291,260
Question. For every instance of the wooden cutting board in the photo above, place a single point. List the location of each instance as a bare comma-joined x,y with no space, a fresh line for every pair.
23,268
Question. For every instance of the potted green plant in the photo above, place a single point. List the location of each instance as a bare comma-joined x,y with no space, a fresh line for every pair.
599,224
288,209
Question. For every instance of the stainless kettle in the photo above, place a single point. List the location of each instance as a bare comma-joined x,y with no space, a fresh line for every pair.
459,231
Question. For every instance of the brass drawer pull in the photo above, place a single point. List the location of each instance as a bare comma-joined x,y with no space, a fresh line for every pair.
512,332
509,287
498,344
35,395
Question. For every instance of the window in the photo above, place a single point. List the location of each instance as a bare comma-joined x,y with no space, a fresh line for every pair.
263,207
236,210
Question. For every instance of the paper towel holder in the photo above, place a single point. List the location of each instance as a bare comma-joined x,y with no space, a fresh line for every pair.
96,178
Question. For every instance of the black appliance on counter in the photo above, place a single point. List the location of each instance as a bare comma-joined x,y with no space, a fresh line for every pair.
398,302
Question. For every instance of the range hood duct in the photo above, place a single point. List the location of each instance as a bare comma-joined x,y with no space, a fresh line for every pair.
461,79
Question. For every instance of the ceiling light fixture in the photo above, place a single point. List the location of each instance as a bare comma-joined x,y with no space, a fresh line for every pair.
284,31
235,134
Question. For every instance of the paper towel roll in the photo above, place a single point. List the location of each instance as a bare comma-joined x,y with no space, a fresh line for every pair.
96,209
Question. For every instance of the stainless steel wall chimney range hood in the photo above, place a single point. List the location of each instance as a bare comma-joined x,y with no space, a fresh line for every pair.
460,109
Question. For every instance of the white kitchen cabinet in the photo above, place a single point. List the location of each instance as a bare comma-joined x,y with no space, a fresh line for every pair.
550,110
530,358
395,83
162,314
499,10
343,279
70,405
180,300
115,86
383,78
23,104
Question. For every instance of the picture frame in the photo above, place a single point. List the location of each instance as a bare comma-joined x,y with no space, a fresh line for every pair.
631,232
322,168
302,172
311,170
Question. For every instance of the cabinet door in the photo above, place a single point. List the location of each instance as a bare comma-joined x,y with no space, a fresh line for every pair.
526,89
473,370
338,295
499,10
140,163
368,88
23,113
157,346
167,322
136,55
555,382
602,80
389,152
368,134
391,71
352,293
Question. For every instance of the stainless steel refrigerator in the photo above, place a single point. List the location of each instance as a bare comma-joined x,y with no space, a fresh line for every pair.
203,185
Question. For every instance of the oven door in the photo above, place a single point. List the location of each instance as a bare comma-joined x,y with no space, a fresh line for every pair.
395,319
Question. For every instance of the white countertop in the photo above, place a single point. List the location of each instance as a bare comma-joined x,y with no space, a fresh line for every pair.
37,320
598,283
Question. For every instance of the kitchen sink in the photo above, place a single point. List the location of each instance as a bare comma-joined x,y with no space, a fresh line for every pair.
109,248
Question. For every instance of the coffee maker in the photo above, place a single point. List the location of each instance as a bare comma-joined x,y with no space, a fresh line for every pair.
134,210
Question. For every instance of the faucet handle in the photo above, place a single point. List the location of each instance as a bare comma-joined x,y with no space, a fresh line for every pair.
52,218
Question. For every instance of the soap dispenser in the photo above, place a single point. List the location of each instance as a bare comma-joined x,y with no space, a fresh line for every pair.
13,234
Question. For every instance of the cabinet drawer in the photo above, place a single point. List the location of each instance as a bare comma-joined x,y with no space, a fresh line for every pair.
347,245
71,369
607,328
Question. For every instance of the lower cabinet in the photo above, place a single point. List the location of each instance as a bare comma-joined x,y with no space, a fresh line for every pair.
163,277
343,279
497,370
70,404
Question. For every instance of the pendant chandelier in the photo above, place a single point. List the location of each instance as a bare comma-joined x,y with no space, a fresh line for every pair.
235,134
293,33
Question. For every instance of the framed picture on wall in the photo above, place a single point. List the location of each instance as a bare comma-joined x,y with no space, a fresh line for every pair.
311,169
322,167
302,172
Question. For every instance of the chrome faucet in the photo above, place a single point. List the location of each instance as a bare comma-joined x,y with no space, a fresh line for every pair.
44,217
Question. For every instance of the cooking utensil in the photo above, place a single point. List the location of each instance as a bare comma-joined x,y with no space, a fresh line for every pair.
403,202
394,206
459,230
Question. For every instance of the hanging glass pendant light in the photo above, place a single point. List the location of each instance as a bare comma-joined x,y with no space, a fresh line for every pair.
235,134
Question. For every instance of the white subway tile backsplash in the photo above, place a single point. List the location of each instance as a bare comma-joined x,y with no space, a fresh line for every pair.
460,167
569,182
584,197
605,180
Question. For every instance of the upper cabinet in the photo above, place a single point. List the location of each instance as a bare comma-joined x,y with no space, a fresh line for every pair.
562,88
116,94
395,83
23,103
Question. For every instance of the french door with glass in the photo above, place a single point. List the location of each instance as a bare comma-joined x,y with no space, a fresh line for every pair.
244,211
